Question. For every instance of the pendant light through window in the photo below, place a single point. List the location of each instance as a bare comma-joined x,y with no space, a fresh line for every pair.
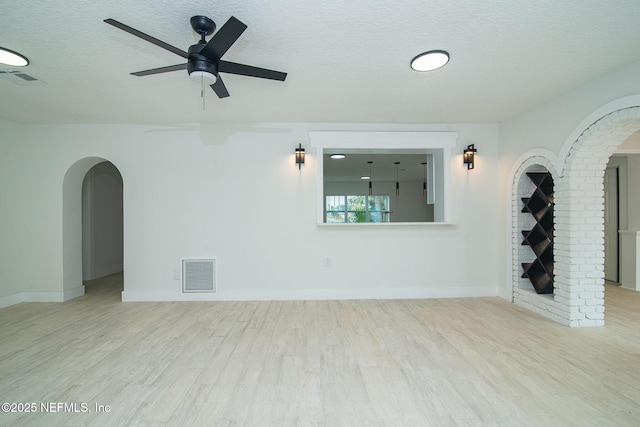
397,178
424,182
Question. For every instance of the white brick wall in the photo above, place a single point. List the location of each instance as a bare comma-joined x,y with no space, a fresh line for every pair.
578,298
523,292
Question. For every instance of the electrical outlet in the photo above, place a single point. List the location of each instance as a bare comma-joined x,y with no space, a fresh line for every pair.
326,262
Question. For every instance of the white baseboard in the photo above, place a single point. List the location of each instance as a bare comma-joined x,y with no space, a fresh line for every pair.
314,294
265,295
19,297
11,300
73,293
42,297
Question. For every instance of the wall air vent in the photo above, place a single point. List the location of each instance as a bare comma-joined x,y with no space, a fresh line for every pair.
198,275
20,78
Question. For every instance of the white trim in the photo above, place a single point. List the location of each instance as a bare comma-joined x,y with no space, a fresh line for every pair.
20,297
385,224
76,292
43,297
10,300
317,294
383,139
446,184
320,187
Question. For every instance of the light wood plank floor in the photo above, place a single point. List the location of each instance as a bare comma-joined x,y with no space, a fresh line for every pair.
452,362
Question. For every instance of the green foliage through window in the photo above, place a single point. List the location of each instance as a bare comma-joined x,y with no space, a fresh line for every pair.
353,209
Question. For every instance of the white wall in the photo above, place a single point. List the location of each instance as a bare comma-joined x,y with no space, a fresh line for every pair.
232,192
30,214
548,125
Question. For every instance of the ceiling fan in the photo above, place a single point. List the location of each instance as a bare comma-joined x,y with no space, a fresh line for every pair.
204,58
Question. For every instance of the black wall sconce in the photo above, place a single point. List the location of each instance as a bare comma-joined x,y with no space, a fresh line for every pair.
468,156
299,156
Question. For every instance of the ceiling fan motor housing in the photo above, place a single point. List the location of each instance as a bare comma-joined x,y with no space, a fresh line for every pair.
197,62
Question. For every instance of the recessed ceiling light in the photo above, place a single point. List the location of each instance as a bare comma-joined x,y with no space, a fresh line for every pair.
365,177
338,156
12,58
429,61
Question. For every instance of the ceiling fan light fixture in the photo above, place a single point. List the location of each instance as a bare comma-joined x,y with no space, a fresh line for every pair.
9,57
200,66
203,74
431,60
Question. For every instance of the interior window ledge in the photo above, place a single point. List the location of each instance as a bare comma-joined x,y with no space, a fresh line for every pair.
386,224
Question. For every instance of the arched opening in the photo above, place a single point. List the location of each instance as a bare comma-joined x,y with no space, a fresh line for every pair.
524,221
72,226
102,222
579,256
580,217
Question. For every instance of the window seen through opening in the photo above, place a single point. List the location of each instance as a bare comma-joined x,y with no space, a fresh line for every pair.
358,208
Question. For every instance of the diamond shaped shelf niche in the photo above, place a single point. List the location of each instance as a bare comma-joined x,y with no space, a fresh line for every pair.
540,237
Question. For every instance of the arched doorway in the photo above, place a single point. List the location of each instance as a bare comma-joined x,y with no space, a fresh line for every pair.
579,212
578,297
102,226
72,228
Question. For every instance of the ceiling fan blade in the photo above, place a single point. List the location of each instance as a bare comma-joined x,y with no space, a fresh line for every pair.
147,37
170,68
223,39
219,88
248,70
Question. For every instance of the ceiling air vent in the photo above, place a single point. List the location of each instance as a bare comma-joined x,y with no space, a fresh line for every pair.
20,78
198,275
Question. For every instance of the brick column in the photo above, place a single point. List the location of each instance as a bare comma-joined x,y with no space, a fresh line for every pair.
578,298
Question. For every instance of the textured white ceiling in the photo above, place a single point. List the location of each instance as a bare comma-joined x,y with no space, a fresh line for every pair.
346,61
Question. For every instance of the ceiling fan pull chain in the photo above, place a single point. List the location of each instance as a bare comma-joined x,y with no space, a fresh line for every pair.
202,91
